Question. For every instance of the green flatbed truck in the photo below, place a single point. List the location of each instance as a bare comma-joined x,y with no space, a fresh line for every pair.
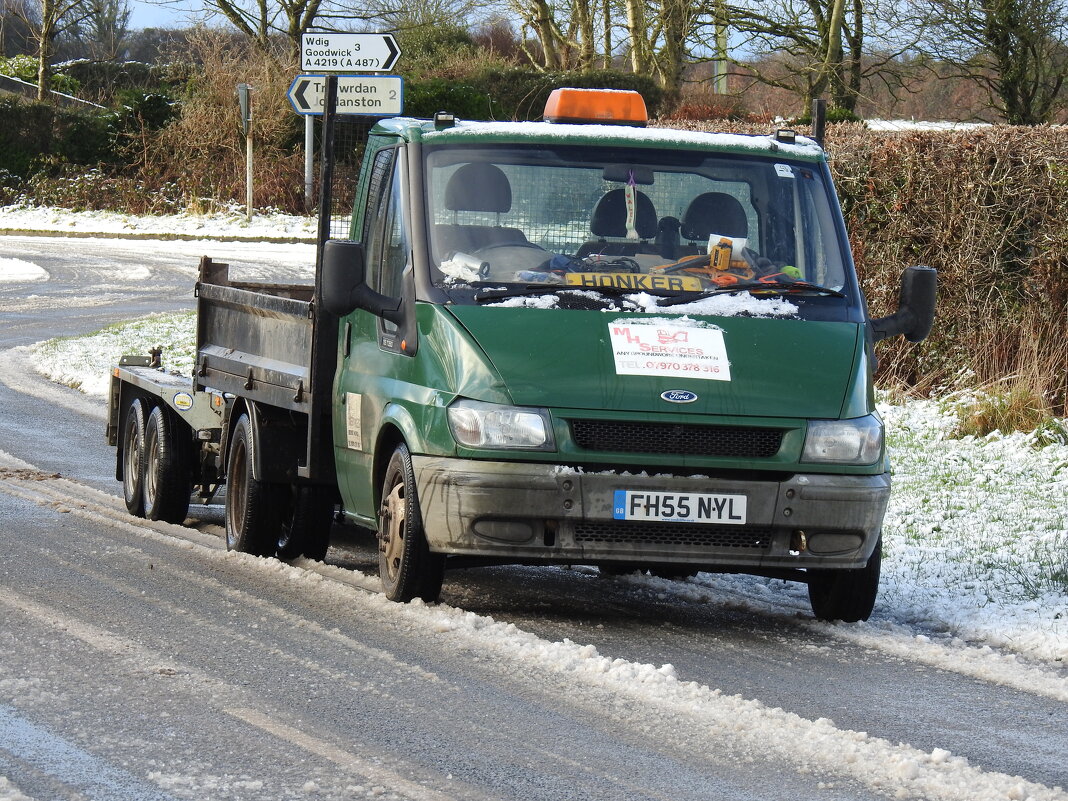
578,341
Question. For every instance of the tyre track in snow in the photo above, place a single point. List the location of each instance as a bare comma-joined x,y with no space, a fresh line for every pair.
643,697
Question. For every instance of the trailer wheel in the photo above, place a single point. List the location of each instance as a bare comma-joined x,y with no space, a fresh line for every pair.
846,595
168,479
133,452
253,511
405,564
307,522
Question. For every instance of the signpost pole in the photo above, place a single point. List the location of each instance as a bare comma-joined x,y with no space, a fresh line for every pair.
309,161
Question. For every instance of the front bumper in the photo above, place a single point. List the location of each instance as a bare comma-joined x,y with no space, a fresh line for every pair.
530,512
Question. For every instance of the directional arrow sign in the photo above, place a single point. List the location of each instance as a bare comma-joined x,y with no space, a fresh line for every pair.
348,52
370,95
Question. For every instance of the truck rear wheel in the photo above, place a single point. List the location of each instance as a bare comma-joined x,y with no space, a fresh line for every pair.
167,480
307,523
253,511
405,564
846,595
133,452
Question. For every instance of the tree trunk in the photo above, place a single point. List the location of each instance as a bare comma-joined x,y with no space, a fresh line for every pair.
636,28
606,14
542,17
584,24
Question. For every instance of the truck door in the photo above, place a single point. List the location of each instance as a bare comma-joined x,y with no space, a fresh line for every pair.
372,362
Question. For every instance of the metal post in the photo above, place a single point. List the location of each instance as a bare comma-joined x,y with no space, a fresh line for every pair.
244,98
819,120
248,176
309,161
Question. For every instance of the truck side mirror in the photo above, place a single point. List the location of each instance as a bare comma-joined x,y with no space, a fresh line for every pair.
343,282
916,307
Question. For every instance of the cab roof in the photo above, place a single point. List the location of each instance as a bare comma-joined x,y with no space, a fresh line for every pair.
470,132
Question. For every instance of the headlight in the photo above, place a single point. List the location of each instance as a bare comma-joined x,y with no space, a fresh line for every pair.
858,441
489,425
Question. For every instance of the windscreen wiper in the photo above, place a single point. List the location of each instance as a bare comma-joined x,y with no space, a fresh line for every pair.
487,294
784,287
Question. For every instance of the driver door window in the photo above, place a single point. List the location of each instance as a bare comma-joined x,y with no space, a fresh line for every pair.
386,243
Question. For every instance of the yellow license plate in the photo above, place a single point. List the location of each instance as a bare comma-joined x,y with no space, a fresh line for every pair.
637,281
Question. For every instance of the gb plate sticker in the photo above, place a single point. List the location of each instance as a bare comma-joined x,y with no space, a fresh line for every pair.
669,351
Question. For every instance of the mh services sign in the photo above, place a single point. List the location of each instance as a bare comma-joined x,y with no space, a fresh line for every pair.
370,95
348,52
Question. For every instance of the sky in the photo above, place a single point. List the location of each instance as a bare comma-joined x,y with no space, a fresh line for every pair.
166,14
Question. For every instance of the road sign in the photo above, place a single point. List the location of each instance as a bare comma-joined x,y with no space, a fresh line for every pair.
348,52
370,95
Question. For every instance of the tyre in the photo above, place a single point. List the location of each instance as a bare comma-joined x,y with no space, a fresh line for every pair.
253,508
619,569
306,523
405,564
846,595
168,479
133,454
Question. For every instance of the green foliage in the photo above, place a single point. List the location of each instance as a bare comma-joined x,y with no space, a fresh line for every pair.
423,98
38,136
25,69
108,80
141,109
425,47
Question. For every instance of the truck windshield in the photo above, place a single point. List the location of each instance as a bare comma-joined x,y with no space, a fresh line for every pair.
663,221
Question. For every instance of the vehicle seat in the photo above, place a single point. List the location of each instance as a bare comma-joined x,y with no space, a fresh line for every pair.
609,219
713,213
482,188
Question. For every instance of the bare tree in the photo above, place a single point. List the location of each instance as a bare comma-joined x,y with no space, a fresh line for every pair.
1017,50
818,47
46,19
262,20
102,28
16,19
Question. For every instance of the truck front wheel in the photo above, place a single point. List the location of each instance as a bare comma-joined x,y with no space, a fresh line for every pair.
405,564
846,595
133,453
253,513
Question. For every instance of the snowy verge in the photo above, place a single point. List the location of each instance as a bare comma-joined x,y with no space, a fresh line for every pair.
233,225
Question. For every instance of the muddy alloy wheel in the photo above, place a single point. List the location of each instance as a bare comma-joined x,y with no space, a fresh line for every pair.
406,566
133,452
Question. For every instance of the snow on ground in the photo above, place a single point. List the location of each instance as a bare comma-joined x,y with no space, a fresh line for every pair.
9,792
18,271
232,225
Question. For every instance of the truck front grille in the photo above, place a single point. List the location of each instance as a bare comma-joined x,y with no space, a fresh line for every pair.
621,436
688,535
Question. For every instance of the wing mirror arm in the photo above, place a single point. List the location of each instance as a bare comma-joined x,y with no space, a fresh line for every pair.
916,307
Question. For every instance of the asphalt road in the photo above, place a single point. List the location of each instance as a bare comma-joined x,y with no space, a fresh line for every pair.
141,661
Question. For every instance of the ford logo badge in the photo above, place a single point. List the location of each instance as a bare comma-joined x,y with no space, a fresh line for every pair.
679,396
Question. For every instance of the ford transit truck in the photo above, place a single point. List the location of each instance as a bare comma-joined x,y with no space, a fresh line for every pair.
579,341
